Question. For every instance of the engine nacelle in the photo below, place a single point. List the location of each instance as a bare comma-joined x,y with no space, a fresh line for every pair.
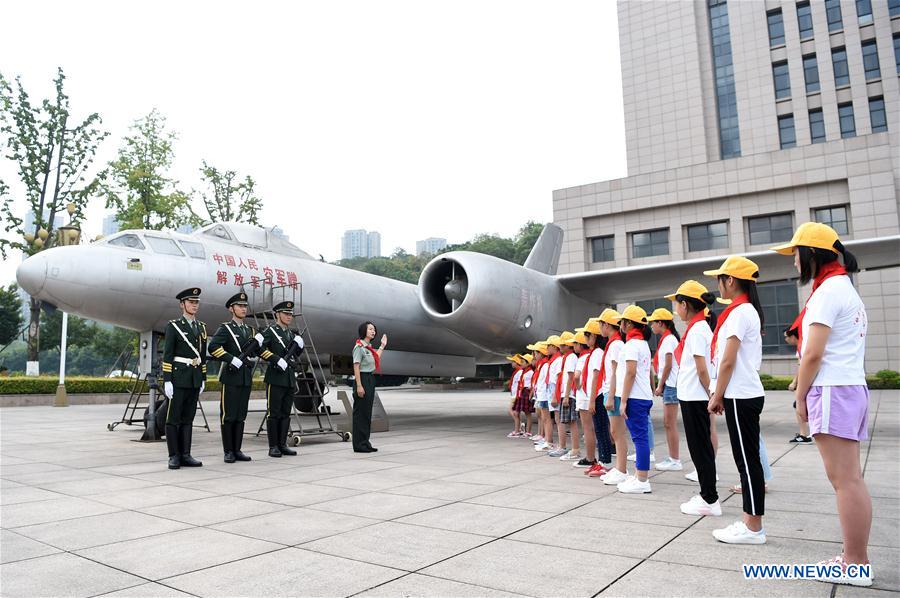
495,304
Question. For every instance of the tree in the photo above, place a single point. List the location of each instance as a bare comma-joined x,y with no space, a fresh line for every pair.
10,314
136,184
53,158
79,332
525,240
229,199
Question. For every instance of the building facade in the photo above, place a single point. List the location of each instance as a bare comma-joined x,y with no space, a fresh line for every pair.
373,244
744,120
360,243
431,245
110,225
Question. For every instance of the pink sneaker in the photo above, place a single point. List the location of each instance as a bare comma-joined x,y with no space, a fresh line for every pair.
513,434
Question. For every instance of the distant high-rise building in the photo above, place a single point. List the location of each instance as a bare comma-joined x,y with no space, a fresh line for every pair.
279,232
374,244
110,225
430,245
360,243
185,229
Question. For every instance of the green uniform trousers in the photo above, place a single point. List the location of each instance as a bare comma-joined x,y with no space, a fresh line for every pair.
233,401
182,406
279,400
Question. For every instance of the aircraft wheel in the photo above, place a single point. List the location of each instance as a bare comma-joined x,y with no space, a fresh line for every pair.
346,436
110,427
295,441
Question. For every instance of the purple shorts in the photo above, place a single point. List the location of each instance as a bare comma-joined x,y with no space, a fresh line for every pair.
841,411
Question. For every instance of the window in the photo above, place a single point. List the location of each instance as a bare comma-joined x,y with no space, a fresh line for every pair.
770,229
787,137
870,60
219,231
726,97
130,241
780,307
776,28
811,73
845,116
839,63
602,249
864,11
877,115
816,126
804,20
897,50
194,249
833,14
648,306
649,243
835,217
710,235
782,80
163,245
894,7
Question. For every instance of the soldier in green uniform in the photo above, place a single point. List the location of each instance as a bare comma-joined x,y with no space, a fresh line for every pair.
236,375
279,386
184,375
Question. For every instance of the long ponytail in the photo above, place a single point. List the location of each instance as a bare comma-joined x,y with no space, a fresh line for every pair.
698,305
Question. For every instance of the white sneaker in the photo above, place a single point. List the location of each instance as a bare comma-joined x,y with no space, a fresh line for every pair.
544,447
694,477
570,456
537,439
670,464
698,506
538,446
634,486
737,533
613,477
835,571
633,457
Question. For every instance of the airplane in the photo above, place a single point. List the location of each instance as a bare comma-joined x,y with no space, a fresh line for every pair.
467,309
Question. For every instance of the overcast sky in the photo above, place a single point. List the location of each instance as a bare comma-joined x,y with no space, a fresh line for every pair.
415,119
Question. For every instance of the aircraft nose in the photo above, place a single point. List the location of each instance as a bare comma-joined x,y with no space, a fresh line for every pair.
32,274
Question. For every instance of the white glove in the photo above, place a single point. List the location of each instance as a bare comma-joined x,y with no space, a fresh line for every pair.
202,387
169,389
282,364
259,338
299,340
237,362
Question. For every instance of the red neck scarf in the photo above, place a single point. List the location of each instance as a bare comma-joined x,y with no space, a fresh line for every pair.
698,317
562,372
827,271
516,370
586,369
740,300
656,355
537,371
522,378
374,353
615,337
634,333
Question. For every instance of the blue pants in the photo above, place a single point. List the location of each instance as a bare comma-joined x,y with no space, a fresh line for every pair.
764,460
638,422
601,431
650,440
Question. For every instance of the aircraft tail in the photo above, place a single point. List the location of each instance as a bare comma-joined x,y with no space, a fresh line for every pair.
544,256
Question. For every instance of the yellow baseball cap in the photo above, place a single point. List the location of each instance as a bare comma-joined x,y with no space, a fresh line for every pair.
689,288
580,338
810,234
567,338
528,359
513,358
736,266
553,341
540,347
592,326
660,314
610,316
635,314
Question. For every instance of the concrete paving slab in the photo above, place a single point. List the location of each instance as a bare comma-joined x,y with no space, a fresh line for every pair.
546,501
15,547
56,509
71,576
476,519
624,508
300,495
232,484
85,532
294,526
217,509
21,494
442,489
426,586
152,497
93,486
147,590
379,505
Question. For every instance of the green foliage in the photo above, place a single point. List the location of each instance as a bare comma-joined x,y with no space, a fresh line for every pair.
10,314
887,375
85,385
136,184
229,199
78,332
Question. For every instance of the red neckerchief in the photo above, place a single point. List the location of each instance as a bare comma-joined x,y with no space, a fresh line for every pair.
586,370
742,299
656,355
634,333
827,271
698,317
550,363
559,378
522,380
609,341
374,353
516,370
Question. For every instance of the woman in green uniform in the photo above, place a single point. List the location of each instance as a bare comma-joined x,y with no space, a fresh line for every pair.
366,361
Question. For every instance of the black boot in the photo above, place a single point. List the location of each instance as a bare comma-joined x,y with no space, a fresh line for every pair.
284,425
186,432
172,443
228,441
272,433
238,439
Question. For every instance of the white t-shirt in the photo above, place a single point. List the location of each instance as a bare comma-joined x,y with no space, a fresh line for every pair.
569,366
596,358
695,343
579,371
743,324
529,374
636,350
553,370
612,354
666,347
514,387
837,305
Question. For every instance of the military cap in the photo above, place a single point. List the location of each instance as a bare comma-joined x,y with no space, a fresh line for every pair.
284,306
239,299
191,293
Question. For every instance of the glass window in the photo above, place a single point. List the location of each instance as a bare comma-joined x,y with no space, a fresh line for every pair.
163,245
220,232
782,80
877,115
864,11
127,240
780,307
648,306
194,249
817,126
602,249
894,7
776,28
804,20
648,243
897,51
833,14
835,217
811,73
845,116
787,137
839,63
870,60
770,229
710,235
726,98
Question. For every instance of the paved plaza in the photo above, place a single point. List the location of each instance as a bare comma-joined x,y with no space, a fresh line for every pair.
448,507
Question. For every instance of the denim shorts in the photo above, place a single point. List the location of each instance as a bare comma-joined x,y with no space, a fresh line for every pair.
541,404
617,406
670,395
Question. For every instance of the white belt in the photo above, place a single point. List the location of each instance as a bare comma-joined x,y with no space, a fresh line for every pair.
188,361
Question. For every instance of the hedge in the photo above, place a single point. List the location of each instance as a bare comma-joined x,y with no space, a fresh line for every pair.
17,385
